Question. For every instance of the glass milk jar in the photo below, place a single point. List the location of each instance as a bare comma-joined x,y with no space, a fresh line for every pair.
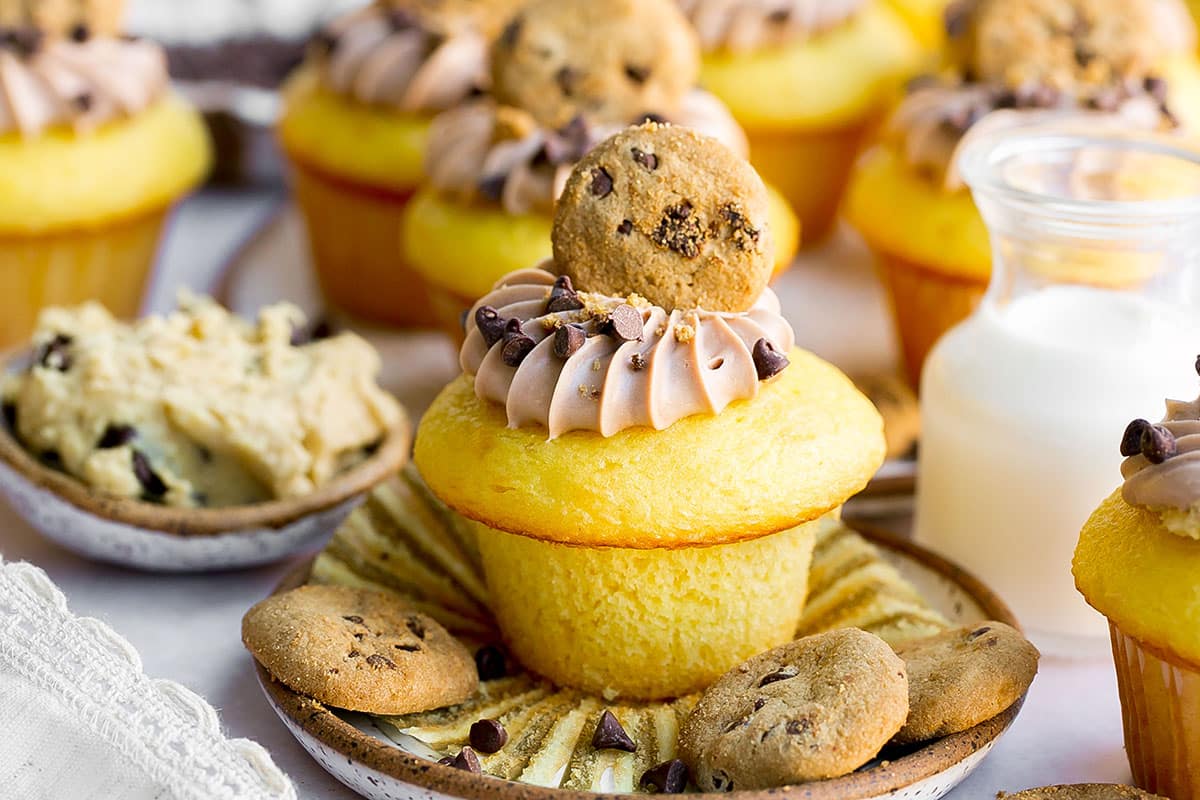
1090,320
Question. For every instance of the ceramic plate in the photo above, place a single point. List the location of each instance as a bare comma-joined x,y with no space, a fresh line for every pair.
364,758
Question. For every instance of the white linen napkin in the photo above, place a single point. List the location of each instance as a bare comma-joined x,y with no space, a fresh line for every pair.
80,720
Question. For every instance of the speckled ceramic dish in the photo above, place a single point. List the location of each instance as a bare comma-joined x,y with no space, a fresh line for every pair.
377,761
165,539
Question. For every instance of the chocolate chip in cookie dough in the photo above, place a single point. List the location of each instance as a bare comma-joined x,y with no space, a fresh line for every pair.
669,777
152,484
568,339
1158,444
624,323
55,353
490,663
80,32
516,344
1131,440
626,227
609,735
679,230
602,183
636,73
488,736
782,674
115,436
563,296
768,362
647,160
490,325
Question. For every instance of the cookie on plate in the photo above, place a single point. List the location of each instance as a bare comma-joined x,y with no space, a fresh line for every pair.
669,214
1082,791
815,708
962,677
359,650
897,404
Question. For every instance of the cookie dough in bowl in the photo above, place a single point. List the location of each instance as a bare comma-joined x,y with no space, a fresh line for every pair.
196,424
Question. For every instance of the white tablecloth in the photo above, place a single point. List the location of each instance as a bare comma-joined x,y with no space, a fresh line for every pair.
187,628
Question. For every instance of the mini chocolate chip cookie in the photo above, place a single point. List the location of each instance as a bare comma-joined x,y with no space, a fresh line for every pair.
814,708
669,214
359,650
1082,791
898,406
959,678
613,62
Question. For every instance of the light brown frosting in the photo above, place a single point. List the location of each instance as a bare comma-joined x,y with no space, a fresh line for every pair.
1175,483
742,25
473,154
80,84
687,362
382,57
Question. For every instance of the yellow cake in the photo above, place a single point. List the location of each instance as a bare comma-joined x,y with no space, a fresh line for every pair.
647,480
908,199
1136,563
87,180
807,90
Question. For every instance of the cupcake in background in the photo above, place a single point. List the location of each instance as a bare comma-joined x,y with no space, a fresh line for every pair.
354,127
95,149
1122,63
100,17
566,74
1136,563
926,18
806,79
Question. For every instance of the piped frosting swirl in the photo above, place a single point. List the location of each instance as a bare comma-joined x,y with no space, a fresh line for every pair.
743,25
1162,464
80,83
605,363
499,154
384,56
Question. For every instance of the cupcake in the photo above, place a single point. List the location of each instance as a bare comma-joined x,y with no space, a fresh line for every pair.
1090,62
806,79
651,456
100,17
354,126
565,75
925,18
1136,563
94,151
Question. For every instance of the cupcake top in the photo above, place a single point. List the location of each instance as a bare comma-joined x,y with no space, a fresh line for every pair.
197,408
1097,58
746,25
79,81
613,359
413,56
560,86
102,17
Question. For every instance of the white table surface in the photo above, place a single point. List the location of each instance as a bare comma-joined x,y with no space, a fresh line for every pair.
187,628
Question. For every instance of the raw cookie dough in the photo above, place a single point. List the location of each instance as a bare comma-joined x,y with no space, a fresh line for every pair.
198,408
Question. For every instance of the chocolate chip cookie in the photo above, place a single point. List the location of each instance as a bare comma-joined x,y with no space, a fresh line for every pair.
669,214
814,708
613,62
359,650
1082,791
959,678
897,404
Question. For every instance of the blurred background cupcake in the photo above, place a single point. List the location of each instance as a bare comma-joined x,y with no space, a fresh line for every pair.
1122,63
805,78
354,127
926,18
566,74
95,149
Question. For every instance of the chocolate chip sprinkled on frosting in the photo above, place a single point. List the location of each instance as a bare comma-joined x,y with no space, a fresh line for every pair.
743,25
568,339
768,361
516,345
490,325
563,296
624,323
1162,462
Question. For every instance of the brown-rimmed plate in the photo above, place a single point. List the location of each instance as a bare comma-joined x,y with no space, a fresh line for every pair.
353,750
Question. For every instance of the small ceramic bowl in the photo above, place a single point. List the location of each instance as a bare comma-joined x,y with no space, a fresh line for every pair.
146,536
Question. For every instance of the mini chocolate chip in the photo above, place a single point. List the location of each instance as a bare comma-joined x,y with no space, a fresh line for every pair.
563,296
492,187
467,760
25,41
512,32
679,231
798,727
358,637
205,455
609,735
1131,440
80,32
1156,87
975,634
1083,56
116,436
10,415
152,484
626,227
647,160
744,235
54,353
768,362
324,42
602,182
1158,444
516,344
380,662
669,777
355,618
408,648
417,627
566,78
721,781
83,101
490,325
401,20
447,761
489,663
568,339
488,736
636,73
624,323
759,703
733,725
51,458
782,674
637,362
302,335
780,16
650,116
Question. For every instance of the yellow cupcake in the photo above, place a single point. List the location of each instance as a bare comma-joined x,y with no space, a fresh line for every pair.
806,91
87,180
905,195
926,18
